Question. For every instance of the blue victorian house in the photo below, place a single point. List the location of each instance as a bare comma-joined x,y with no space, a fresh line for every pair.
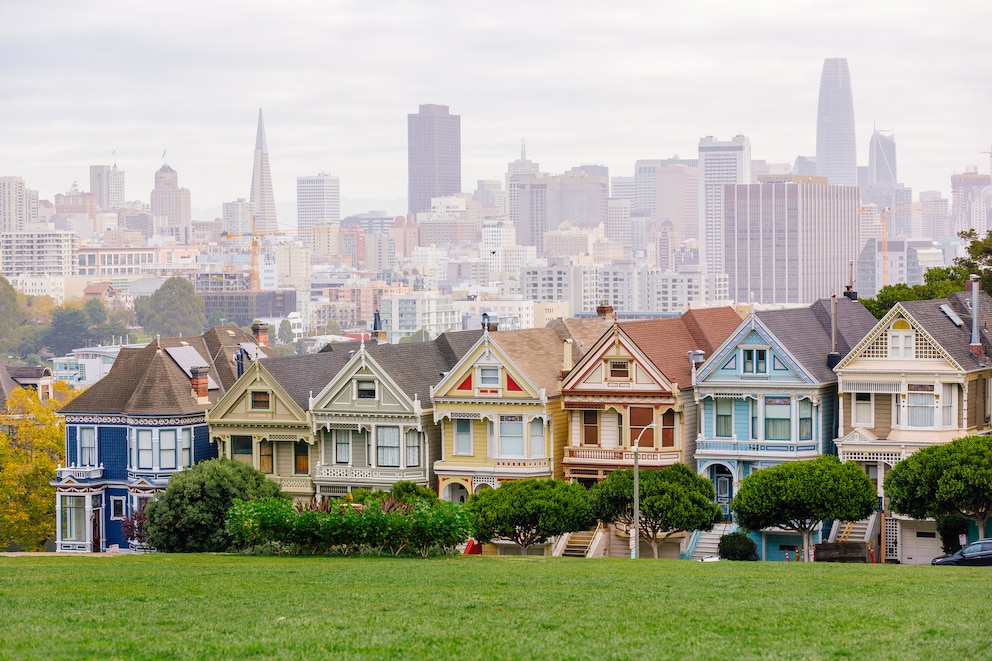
768,394
131,431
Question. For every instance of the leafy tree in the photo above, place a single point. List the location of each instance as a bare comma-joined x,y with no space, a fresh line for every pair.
32,445
285,332
11,317
529,512
69,328
938,283
798,495
405,491
672,500
95,311
332,328
979,257
422,335
189,516
954,479
174,309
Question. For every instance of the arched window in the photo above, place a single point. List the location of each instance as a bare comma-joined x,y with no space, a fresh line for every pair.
902,340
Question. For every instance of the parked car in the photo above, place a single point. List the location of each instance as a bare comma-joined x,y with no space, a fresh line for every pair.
974,554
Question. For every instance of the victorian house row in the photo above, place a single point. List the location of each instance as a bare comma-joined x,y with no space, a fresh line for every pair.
128,433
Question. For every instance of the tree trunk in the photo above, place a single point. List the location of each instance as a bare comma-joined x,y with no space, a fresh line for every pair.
807,541
981,520
655,546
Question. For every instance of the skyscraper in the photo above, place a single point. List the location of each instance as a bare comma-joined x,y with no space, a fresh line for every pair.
516,172
836,153
882,159
261,198
13,204
720,163
107,183
318,201
434,156
172,202
789,239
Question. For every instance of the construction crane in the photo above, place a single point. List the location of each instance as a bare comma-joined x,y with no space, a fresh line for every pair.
254,283
883,243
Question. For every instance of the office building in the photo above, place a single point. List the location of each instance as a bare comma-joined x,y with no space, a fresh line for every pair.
434,156
544,203
107,184
262,201
236,216
318,202
16,204
720,163
789,239
836,150
38,252
882,159
172,203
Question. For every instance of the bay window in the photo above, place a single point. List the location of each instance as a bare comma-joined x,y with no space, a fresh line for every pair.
778,419
412,448
537,438
463,437
387,442
668,429
640,432
805,420
301,457
342,446
143,458
167,448
511,436
861,414
187,446
724,417
590,427
265,456
74,518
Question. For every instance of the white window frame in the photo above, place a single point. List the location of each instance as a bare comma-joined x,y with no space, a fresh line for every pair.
186,447
505,434
380,436
73,529
467,440
167,455
902,341
489,377
144,454
412,447
359,383
93,453
856,421
341,438
114,502
717,415
754,371
538,445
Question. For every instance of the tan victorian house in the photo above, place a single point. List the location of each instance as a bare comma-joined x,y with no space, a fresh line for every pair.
920,378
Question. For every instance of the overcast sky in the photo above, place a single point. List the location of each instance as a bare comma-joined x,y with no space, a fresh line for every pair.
583,82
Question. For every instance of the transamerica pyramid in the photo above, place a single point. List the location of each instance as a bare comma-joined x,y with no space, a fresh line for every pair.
262,201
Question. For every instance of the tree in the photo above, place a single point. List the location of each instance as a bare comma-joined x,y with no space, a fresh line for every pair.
95,311
672,500
954,479
188,517
285,332
69,328
979,257
332,328
529,512
174,309
938,283
798,495
32,445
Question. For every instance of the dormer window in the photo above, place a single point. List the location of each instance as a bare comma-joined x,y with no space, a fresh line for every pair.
619,369
755,361
489,377
260,400
365,389
902,340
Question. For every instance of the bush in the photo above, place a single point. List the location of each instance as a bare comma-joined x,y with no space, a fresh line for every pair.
189,516
738,546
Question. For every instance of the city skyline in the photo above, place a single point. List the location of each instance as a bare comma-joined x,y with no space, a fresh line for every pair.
604,86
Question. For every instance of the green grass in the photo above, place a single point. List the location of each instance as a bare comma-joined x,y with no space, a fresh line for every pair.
160,606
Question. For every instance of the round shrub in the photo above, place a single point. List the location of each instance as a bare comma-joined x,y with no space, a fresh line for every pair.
738,546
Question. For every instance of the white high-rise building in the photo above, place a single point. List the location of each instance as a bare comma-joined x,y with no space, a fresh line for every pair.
14,204
107,183
318,202
39,252
236,216
720,163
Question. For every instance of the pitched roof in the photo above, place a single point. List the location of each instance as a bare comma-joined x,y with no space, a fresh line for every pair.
953,338
7,384
302,376
538,352
147,381
806,332
667,342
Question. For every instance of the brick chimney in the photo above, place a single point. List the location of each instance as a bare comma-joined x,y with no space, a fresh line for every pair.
604,310
261,333
198,383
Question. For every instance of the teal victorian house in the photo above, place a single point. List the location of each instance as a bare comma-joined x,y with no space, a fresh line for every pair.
768,394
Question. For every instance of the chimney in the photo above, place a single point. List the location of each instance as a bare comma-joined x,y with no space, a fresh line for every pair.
604,310
975,285
849,287
834,356
198,381
566,359
378,334
261,333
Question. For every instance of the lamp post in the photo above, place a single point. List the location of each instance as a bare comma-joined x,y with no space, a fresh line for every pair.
635,533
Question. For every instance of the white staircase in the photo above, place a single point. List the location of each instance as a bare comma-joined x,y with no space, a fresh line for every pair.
855,531
708,543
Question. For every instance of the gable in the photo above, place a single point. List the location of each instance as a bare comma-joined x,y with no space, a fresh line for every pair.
362,385
486,372
616,364
897,339
750,356
256,396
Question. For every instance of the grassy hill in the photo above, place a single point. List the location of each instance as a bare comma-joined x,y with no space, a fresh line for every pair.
218,606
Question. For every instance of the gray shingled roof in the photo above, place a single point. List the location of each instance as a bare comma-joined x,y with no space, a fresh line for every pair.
302,376
806,332
953,338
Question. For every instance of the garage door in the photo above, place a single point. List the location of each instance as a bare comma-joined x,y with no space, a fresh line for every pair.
920,542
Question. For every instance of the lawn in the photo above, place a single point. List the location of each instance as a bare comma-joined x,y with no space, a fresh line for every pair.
160,606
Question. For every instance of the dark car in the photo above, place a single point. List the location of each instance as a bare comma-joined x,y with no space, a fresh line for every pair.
974,554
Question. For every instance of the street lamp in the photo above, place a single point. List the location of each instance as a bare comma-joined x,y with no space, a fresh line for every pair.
637,496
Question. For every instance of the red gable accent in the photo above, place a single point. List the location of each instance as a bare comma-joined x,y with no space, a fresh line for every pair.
466,384
511,384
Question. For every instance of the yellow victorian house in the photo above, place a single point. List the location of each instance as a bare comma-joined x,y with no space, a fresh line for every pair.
499,408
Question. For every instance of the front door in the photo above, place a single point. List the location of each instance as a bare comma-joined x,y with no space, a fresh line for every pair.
723,481
96,530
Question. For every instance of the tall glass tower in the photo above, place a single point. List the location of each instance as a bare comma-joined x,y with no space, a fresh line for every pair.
836,153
